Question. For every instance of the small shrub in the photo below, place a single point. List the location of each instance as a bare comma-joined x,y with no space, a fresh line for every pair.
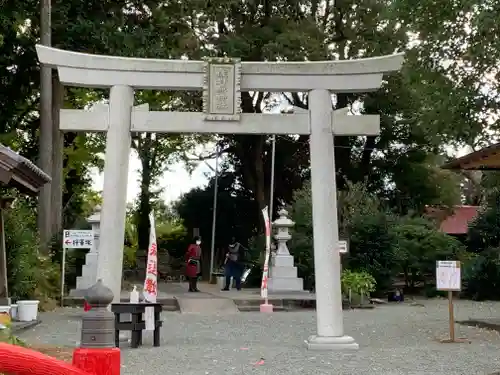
357,283
30,275
481,277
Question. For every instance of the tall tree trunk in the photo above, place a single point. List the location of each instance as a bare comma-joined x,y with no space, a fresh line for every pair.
45,151
143,225
57,157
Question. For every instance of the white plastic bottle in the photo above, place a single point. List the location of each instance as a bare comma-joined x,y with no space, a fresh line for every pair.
134,295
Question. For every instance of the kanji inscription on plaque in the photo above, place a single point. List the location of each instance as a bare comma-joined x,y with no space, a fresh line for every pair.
221,94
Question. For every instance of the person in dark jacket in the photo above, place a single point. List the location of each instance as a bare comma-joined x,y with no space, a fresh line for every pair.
233,266
193,266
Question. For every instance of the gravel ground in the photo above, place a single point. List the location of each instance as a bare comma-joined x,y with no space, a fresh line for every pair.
393,339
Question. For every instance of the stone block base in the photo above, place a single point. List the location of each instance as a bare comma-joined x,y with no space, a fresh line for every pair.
331,343
288,284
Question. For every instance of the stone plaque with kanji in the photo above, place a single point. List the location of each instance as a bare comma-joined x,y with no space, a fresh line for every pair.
221,91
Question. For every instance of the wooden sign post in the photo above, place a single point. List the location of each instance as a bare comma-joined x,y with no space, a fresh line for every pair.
448,278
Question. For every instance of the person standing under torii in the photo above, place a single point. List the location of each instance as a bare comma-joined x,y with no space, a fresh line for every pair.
233,267
193,266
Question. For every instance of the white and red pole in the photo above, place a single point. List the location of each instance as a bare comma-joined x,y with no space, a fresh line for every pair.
266,306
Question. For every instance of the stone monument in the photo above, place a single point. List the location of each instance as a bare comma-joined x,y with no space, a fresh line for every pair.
89,269
283,272
223,81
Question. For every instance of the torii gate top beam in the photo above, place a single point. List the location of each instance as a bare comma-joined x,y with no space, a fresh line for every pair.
81,69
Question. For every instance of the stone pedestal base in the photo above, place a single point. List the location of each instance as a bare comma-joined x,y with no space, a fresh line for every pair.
284,275
331,343
89,270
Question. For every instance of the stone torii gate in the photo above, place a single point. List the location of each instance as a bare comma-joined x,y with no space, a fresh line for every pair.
222,80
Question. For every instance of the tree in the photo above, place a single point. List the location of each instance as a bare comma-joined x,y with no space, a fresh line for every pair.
415,124
484,231
418,246
236,215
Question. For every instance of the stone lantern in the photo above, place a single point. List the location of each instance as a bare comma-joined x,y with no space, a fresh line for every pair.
89,269
283,272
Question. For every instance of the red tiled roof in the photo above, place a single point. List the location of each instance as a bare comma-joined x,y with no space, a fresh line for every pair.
456,222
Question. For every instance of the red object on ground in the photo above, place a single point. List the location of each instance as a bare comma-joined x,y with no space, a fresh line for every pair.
17,360
86,306
101,361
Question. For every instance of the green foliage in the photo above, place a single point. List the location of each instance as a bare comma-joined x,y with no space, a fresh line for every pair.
417,247
30,275
236,216
381,244
481,277
7,337
174,241
482,272
371,248
360,283
129,258
484,231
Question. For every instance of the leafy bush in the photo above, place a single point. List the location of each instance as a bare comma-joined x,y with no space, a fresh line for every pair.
481,277
484,231
357,283
360,219
371,248
31,276
175,241
417,247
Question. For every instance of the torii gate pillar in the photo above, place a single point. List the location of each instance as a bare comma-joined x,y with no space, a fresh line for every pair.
114,192
325,228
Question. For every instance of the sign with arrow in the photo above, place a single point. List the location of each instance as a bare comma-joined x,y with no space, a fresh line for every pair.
78,239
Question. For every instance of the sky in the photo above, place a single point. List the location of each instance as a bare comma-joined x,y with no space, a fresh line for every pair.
175,182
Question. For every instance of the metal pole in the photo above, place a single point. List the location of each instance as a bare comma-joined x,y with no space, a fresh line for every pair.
271,188
63,273
214,215
45,143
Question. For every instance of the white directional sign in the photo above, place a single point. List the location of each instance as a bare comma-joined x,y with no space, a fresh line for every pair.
78,239
448,275
343,247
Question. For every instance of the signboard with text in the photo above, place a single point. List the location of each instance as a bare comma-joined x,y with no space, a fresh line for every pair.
343,249
448,275
78,239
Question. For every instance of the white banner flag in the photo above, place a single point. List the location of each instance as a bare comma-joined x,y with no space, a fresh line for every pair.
150,284
265,270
